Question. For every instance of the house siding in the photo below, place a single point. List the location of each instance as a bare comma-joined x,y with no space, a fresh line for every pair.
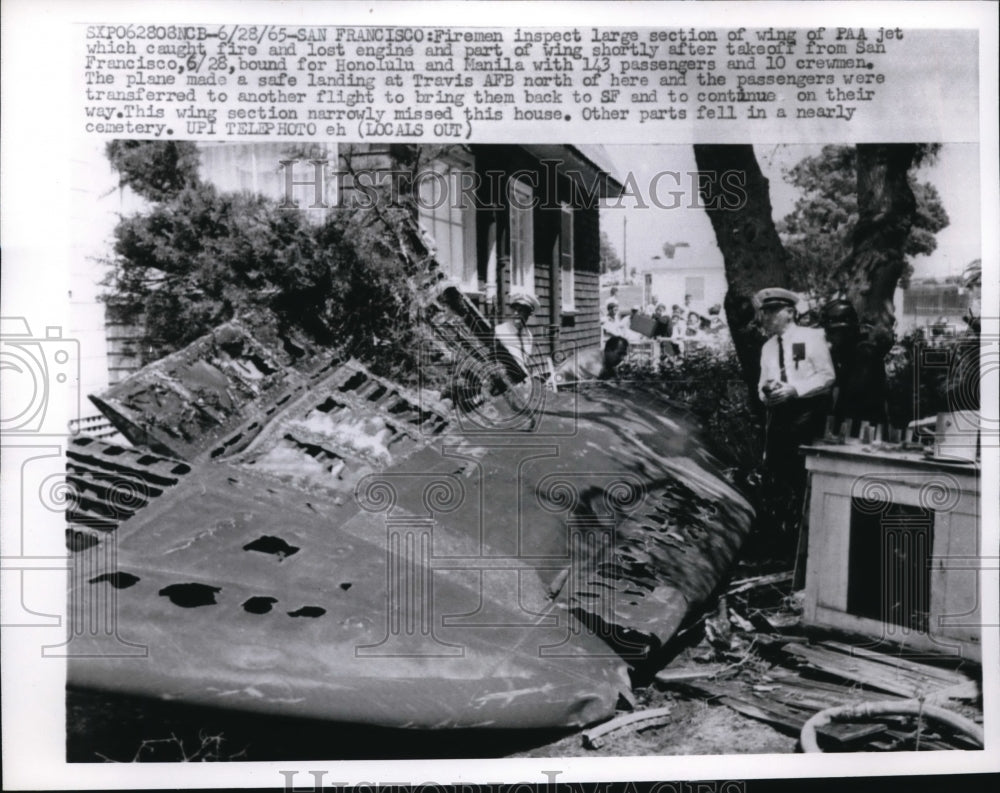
553,330
586,330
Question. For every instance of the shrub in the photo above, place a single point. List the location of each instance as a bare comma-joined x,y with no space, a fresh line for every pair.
199,257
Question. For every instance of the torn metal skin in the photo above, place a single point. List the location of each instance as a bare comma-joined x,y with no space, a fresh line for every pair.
189,404
345,548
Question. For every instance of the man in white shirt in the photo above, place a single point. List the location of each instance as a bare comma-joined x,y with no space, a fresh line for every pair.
514,334
610,323
796,381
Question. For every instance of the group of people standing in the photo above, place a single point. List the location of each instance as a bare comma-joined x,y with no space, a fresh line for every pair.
684,328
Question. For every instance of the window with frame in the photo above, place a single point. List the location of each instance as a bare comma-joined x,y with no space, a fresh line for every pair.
449,216
522,236
567,278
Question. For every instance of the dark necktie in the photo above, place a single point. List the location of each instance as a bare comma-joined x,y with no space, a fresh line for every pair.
781,360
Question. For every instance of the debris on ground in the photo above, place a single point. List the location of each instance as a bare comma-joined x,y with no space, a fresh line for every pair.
643,719
910,725
772,672
884,672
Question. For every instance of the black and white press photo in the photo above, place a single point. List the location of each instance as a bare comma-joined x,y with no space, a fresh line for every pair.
464,449
433,398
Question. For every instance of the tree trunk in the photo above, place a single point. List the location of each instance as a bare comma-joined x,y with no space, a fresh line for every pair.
753,254
886,206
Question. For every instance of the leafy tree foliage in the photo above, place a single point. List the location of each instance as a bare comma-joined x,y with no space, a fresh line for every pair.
199,257
154,170
610,260
819,232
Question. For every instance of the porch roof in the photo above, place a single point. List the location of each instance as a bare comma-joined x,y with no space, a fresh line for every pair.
582,160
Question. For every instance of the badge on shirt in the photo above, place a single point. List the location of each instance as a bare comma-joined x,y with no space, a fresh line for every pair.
798,352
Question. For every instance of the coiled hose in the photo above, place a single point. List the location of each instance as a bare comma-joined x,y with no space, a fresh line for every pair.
911,707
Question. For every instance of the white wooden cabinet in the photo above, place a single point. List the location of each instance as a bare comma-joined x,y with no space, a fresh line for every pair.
894,548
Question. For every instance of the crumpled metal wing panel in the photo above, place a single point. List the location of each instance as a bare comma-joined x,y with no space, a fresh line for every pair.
668,557
346,424
611,496
245,596
347,549
641,511
191,401
108,483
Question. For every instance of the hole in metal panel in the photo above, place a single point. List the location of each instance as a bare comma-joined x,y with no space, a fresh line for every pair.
399,406
191,596
324,456
346,585
308,611
259,604
273,545
292,349
260,364
226,444
329,405
117,580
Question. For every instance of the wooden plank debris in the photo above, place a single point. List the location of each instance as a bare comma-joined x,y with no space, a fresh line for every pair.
683,674
787,697
641,720
948,676
754,582
881,676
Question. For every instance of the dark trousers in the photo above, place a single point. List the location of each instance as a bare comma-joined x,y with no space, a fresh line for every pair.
795,423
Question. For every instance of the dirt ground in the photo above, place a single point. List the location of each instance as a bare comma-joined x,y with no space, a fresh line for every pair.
693,727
